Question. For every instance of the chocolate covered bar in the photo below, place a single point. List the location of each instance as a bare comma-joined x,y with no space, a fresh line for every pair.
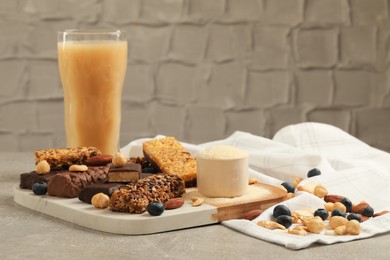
65,157
69,184
28,179
135,197
88,192
130,172
167,155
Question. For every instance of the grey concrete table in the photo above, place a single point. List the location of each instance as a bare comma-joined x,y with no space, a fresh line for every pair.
26,234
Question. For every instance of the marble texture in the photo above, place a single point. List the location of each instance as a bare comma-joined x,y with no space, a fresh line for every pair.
27,234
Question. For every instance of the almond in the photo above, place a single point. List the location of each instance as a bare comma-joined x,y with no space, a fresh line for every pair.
333,198
359,207
174,203
381,213
99,160
251,215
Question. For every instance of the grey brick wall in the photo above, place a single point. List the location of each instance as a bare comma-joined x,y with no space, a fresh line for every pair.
200,69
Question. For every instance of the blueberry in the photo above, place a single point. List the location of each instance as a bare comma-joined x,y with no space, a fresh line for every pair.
347,203
354,216
368,212
280,210
284,220
155,208
337,212
322,213
313,172
289,187
39,188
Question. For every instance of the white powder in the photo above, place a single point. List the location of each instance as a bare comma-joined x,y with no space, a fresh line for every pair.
222,152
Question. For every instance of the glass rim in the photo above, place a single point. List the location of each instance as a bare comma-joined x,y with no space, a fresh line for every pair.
92,31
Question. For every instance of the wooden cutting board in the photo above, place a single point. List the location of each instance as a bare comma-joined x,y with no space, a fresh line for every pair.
212,211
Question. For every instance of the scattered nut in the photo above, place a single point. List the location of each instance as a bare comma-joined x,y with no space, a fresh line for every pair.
294,217
289,196
78,168
381,213
329,206
360,207
330,233
252,181
296,181
42,167
270,225
174,203
337,221
320,191
100,200
308,187
340,206
333,198
297,232
197,202
340,230
300,227
251,215
353,227
99,160
119,160
315,225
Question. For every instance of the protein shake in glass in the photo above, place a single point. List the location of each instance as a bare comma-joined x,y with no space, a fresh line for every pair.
92,67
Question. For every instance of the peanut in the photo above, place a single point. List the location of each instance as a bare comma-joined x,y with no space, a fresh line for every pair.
340,230
78,168
315,225
353,227
320,191
340,206
336,221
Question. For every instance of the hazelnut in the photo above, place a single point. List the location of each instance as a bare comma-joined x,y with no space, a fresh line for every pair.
353,227
336,221
100,200
119,160
43,167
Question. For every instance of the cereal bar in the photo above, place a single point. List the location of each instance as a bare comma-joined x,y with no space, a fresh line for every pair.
64,157
169,156
135,197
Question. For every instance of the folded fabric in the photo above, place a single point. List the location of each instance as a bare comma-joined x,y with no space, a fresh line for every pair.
349,168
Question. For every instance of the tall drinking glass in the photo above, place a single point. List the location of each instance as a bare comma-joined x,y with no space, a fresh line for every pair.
92,67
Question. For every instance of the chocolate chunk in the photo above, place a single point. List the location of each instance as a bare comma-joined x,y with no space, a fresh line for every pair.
28,179
88,192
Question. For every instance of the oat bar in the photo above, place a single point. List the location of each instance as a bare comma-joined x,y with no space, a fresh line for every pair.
64,157
169,156
135,197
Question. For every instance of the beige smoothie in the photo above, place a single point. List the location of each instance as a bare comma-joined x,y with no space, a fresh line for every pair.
92,75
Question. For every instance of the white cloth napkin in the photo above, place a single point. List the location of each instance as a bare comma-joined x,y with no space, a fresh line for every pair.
349,168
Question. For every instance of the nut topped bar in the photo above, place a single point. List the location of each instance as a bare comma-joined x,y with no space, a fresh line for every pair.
65,157
169,156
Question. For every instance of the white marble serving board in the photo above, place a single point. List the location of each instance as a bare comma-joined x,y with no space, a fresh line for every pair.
86,215
213,210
